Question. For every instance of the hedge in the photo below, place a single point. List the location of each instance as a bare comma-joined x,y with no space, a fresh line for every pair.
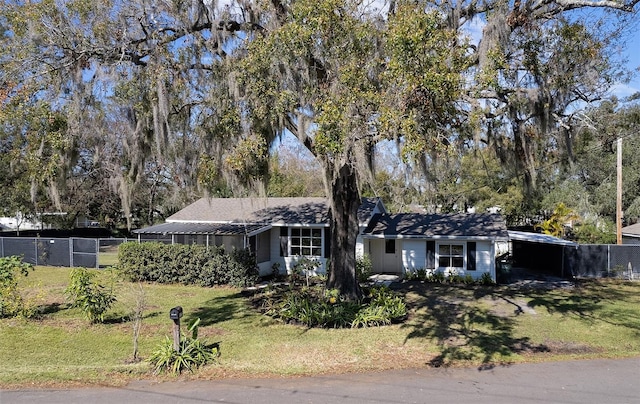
186,264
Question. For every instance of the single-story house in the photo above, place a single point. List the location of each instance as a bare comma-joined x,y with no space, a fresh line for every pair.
461,243
277,230
280,230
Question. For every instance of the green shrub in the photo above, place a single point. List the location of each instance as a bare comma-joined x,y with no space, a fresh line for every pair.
364,267
455,278
303,268
242,268
311,307
384,308
437,277
186,264
88,295
11,300
486,280
421,274
192,353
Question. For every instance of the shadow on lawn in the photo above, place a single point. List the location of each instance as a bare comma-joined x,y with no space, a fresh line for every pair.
463,330
51,308
591,301
119,318
219,309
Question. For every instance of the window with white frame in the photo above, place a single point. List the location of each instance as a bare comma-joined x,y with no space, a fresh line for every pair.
306,242
451,255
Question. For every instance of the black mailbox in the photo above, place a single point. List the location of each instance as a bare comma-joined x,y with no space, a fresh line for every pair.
175,313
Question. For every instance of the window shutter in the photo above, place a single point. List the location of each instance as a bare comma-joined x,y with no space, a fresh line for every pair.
471,256
284,240
431,254
327,242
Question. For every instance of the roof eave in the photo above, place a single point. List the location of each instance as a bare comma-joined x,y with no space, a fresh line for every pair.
434,237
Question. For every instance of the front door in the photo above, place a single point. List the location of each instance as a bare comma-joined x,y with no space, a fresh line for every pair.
385,256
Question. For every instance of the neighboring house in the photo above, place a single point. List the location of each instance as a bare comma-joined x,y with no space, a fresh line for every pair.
280,230
20,222
463,244
277,230
631,234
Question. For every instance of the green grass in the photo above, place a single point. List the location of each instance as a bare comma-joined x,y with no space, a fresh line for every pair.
447,325
108,256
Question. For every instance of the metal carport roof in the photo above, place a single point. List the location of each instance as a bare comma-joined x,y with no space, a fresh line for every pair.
220,229
537,238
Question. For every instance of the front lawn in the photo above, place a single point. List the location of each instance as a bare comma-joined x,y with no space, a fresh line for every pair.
447,325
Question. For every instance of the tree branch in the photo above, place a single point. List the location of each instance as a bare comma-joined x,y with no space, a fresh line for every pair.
572,4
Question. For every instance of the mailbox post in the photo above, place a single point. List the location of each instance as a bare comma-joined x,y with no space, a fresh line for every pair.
175,314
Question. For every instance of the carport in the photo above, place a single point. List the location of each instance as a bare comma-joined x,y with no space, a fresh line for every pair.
539,253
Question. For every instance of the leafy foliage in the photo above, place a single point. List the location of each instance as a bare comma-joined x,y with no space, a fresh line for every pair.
87,294
186,264
593,233
364,267
486,280
433,276
192,353
11,301
561,217
304,267
136,94
317,307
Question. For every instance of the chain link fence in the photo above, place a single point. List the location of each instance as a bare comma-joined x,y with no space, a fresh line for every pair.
603,261
63,252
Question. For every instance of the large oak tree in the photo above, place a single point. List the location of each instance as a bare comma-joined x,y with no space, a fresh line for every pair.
196,91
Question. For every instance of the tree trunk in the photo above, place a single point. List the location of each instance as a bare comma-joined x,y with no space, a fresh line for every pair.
344,201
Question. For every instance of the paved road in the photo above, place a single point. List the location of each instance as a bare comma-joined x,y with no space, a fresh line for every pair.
583,382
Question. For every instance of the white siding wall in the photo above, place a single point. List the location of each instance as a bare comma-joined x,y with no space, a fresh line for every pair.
484,257
414,255
359,246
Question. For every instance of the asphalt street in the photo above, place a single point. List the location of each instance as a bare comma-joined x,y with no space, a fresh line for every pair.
583,382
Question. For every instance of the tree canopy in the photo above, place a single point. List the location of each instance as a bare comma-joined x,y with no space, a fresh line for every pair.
155,102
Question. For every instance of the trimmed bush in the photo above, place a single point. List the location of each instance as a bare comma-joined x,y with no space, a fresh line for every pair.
186,264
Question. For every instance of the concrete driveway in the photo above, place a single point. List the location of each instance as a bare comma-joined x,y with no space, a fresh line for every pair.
583,382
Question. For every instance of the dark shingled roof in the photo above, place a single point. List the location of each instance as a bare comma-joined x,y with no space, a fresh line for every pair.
438,225
632,230
236,216
254,210
278,211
